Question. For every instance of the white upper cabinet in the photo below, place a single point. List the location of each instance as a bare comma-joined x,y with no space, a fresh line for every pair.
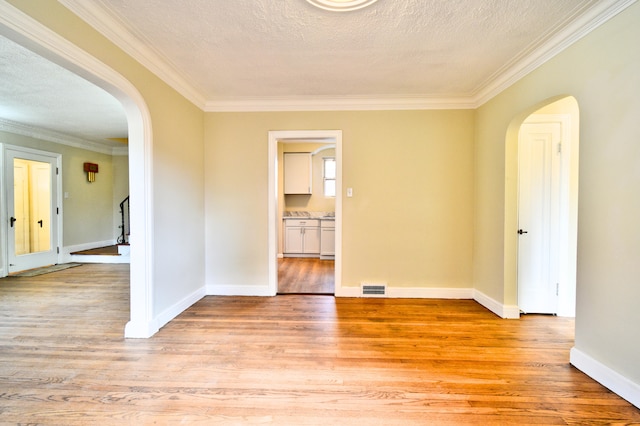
297,172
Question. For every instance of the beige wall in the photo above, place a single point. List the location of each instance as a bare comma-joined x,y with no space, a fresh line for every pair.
415,174
177,164
409,222
88,211
601,72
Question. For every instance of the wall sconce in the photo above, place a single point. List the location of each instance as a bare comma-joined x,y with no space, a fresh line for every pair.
91,170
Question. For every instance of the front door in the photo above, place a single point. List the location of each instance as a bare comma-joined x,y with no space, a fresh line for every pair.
31,208
539,217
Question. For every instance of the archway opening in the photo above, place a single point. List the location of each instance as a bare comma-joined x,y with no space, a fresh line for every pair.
29,33
563,110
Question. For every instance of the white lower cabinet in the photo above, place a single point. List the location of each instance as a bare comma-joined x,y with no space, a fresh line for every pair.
327,239
302,237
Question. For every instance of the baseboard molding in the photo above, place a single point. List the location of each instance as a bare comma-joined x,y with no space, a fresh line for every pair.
65,255
140,330
607,377
178,308
412,292
238,290
503,311
98,259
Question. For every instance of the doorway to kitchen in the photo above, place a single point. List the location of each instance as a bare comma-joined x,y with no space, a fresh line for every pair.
305,231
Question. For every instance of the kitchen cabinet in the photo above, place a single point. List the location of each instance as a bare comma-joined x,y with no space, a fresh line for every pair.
297,172
302,237
327,239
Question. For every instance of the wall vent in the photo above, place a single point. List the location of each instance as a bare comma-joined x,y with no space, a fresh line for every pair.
374,290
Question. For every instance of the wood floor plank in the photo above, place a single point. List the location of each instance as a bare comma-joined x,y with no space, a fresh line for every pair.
286,360
300,275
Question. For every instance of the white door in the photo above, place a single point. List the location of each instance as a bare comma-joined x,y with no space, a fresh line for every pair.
31,208
539,217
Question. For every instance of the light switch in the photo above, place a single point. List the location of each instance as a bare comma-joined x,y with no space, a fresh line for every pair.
349,192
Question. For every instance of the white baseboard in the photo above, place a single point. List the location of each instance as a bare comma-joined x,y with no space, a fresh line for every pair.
140,330
238,290
65,254
98,259
607,377
178,308
503,311
412,292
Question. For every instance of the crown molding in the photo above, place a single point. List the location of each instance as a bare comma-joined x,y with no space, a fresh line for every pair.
505,77
60,138
591,19
355,103
110,27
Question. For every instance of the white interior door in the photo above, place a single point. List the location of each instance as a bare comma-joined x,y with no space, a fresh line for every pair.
31,208
539,217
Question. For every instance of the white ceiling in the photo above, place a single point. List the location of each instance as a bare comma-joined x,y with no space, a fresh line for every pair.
288,54
37,95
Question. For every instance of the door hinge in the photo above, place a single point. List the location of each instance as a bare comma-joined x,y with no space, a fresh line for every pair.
557,289
57,171
57,210
58,250
559,147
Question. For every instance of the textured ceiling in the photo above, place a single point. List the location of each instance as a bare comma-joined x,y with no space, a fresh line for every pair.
245,49
40,94
279,54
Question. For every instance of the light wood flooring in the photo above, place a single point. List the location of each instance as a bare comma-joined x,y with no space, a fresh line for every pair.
284,360
299,275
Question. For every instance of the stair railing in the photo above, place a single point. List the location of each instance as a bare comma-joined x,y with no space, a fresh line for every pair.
125,225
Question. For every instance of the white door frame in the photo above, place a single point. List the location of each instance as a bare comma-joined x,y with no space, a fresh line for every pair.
4,217
567,284
318,136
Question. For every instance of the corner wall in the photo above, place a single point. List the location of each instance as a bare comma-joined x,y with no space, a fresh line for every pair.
602,72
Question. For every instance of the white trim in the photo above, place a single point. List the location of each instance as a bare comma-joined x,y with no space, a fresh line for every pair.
67,250
96,258
414,293
430,293
177,308
591,19
239,290
59,138
4,251
24,30
566,300
113,29
503,311
318,103
529,60
274,137
607,377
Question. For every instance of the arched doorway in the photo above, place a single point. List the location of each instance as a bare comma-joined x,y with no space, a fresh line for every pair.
543,196
27,32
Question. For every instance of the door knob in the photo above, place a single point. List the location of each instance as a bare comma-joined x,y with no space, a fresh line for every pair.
12,220
520,231
40,222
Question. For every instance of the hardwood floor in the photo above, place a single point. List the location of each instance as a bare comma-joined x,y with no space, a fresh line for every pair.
299,275
285,360
103,251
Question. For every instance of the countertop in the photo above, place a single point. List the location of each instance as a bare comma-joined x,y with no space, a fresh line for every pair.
309,215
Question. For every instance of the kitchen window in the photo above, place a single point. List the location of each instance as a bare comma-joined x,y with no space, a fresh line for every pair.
329,176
